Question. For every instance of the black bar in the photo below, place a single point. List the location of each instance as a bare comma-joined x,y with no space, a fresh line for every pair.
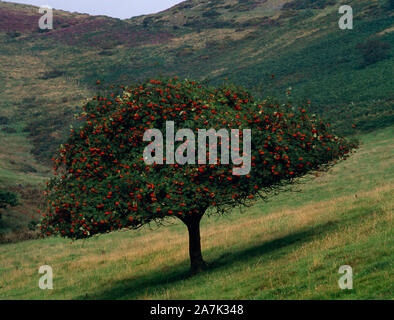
199,309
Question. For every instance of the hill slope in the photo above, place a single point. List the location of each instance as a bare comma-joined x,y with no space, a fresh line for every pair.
46,76
289,248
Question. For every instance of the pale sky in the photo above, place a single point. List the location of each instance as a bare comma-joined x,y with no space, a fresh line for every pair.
114,8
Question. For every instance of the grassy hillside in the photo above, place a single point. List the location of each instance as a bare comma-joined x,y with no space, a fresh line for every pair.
288,248
47,74
265,45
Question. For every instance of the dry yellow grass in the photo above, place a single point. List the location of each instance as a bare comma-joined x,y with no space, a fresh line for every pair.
168,248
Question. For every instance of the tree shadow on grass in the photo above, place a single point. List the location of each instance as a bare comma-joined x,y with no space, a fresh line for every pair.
162,279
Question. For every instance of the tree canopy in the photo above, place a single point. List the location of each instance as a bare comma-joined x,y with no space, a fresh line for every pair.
102,182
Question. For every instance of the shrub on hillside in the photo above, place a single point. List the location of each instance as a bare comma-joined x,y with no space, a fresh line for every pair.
13,35
9,130
374,51
211,14
308,4
7,199
51,74
4,120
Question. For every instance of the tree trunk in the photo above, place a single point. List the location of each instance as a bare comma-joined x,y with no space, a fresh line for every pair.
197,263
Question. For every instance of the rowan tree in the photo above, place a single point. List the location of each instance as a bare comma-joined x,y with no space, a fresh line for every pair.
102,182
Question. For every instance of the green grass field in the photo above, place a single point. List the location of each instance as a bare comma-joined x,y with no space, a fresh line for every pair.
288,248
45,78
